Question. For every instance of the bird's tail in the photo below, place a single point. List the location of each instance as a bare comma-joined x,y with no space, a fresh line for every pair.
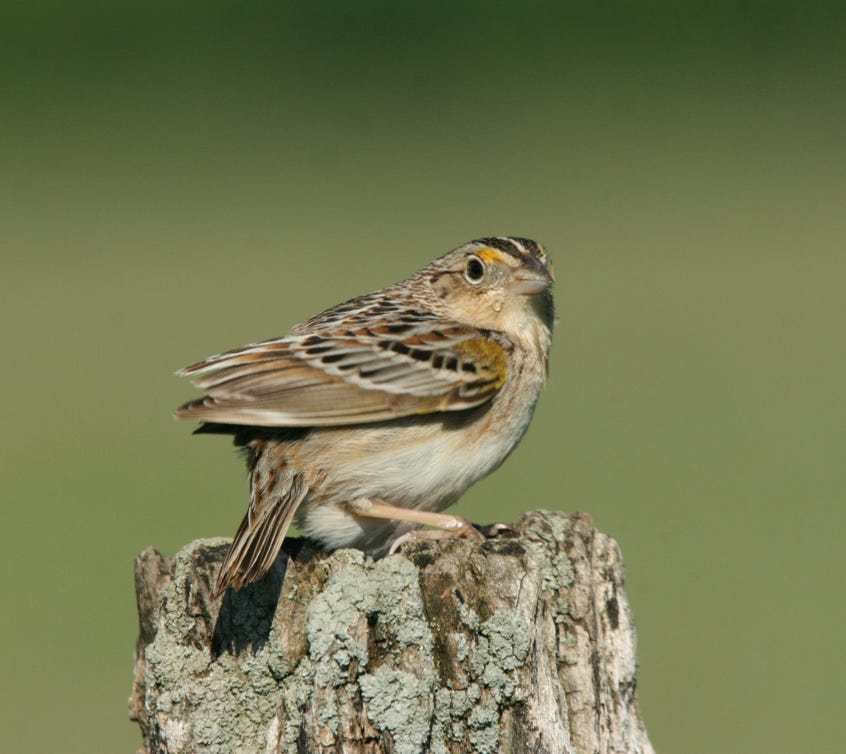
276,492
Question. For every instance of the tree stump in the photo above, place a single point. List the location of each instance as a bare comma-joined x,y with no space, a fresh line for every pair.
523,643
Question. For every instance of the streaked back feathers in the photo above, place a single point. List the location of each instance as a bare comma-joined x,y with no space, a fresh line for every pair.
434,342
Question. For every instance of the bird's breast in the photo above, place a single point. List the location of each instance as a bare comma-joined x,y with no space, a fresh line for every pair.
424,462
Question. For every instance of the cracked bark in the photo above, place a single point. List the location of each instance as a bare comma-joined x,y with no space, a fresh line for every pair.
524,643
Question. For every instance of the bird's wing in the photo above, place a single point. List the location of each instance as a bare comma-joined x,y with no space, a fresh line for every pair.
334,376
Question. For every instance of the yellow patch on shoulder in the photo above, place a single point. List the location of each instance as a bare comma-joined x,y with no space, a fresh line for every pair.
487,356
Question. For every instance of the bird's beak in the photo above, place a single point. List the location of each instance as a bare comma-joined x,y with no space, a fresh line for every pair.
527,281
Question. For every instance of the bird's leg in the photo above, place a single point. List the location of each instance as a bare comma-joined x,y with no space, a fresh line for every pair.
445,524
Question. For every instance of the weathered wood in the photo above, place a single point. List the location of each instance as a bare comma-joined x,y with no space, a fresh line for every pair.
524,643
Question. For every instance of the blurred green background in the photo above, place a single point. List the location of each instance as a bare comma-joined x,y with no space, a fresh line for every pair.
180,178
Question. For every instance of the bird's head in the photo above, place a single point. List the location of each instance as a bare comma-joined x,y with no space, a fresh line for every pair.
501,283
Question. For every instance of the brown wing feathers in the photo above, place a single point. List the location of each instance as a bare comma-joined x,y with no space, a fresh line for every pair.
357,376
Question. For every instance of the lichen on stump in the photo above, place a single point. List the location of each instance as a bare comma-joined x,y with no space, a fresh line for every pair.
524,643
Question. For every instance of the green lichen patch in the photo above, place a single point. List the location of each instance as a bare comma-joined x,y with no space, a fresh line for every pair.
545,533
362,605
398,702
483,727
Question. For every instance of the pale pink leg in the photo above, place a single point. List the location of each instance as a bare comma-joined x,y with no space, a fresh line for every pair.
448,524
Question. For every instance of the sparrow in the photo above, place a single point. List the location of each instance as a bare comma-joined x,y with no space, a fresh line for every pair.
367,420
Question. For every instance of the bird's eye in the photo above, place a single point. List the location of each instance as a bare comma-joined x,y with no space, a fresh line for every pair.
475,270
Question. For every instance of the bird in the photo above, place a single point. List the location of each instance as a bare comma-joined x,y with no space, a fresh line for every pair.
366,421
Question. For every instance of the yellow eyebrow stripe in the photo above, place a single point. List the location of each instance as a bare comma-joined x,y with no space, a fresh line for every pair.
487,254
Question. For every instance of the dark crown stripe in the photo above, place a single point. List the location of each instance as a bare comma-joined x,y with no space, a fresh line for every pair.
502,243
516,247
